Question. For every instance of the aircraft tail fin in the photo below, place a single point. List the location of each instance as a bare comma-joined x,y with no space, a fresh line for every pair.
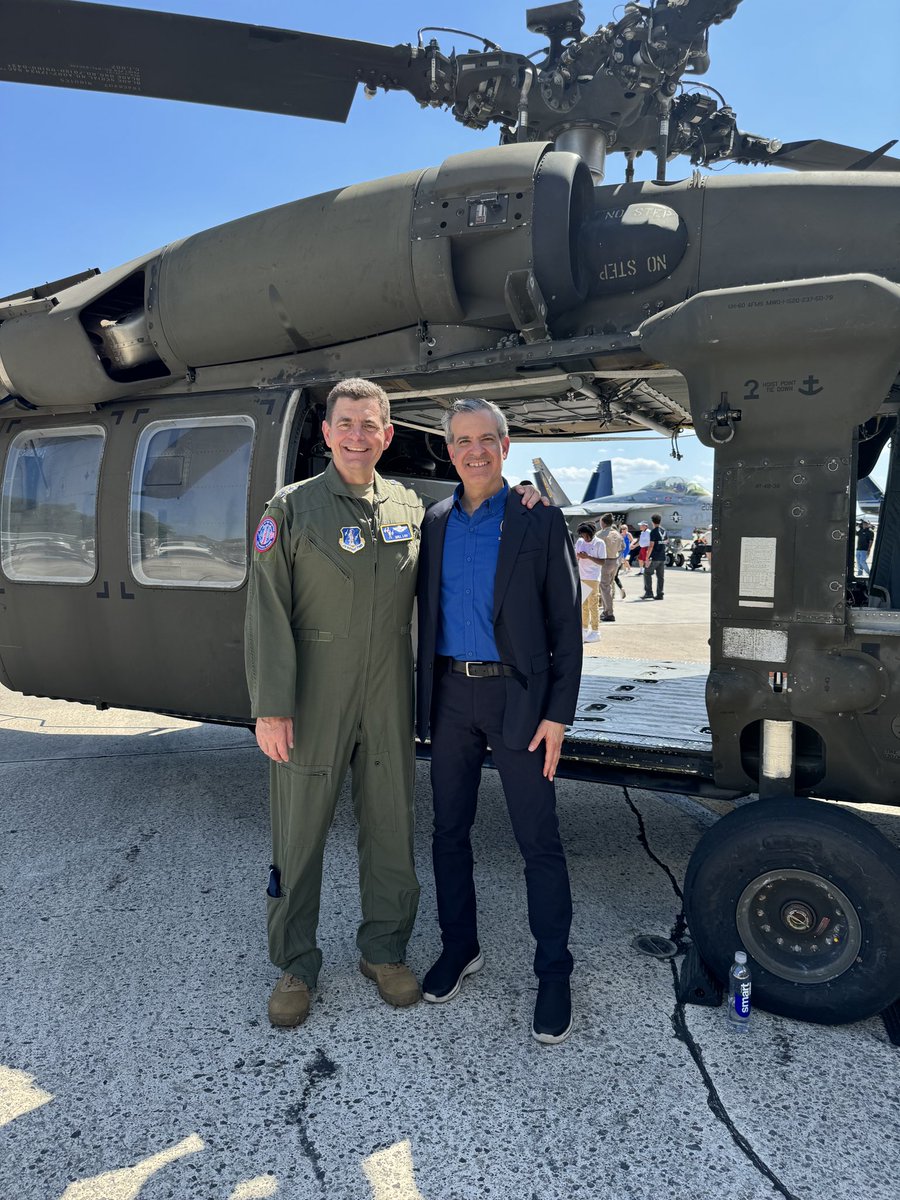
600,483
547,485
869,496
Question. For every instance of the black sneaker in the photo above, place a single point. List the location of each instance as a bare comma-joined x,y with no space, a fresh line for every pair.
445,978
607,617
552,1012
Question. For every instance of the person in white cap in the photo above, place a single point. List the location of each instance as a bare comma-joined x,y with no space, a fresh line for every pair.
644,543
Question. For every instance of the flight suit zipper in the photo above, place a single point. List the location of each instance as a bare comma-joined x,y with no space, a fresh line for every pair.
372,523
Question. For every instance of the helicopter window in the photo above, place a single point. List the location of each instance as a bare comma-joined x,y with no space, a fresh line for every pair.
48,513
189,502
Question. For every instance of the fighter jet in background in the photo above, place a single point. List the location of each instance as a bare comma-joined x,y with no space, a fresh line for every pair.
684,506
868,499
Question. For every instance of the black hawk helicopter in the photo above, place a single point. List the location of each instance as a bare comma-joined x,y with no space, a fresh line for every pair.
148,412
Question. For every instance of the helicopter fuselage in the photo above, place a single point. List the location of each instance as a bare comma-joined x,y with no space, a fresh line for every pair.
502,270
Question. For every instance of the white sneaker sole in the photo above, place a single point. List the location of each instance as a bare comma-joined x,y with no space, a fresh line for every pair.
551,1039
475,965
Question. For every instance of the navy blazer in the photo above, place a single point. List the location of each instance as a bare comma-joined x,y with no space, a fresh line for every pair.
537,616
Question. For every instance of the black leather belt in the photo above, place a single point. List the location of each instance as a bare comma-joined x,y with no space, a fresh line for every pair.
485,670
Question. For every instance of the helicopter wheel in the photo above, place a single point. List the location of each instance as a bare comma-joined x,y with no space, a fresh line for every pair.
812,893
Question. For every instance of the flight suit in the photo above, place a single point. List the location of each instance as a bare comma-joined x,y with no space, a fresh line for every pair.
328,640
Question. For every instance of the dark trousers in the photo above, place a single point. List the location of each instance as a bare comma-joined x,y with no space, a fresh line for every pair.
467,718
657,567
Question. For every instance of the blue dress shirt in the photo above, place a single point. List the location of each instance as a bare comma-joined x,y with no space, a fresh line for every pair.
471,547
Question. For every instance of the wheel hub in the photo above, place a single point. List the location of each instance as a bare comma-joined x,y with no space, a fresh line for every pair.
798,925
798,916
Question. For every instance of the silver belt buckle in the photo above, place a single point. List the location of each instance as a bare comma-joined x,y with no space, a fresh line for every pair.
471,664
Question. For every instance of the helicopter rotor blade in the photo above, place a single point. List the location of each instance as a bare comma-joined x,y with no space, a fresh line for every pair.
818,155
710,134
99,47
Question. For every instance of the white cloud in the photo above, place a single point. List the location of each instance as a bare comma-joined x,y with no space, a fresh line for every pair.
626,471
576,474
638,466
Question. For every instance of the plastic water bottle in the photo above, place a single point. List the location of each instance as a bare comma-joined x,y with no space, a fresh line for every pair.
738,998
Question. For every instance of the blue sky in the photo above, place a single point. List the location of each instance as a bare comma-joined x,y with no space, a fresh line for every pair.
95,180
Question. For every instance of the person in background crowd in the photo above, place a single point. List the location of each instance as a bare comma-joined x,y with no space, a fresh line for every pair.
612,539
656,560
864,539
591,554
643,545
625,557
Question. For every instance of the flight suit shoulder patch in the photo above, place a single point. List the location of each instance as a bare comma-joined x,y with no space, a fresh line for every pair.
266,535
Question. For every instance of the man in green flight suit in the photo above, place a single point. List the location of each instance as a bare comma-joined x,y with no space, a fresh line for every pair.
329,666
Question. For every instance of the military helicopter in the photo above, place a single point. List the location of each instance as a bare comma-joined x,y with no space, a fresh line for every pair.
149,411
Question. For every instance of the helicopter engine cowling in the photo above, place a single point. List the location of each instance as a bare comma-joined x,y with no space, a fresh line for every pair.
434,246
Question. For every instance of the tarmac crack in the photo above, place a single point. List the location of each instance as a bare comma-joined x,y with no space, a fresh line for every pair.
297,1114
25,762
683,1033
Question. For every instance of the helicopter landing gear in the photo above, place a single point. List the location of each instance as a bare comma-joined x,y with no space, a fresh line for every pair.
812,893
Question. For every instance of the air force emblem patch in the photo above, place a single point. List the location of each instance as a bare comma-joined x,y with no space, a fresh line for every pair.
396,533
351,539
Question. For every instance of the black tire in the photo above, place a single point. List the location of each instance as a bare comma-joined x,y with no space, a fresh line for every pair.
670,558
679,559
823,912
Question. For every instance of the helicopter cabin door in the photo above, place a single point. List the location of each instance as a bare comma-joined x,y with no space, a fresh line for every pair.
124,557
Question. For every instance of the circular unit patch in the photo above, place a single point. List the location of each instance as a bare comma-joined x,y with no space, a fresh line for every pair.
266,533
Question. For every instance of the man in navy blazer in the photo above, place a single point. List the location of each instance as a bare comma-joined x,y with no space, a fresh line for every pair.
499,667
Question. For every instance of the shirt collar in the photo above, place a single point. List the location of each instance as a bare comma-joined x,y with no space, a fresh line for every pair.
336,485
493,505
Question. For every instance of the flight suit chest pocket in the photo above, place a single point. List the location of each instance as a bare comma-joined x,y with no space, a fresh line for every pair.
323,590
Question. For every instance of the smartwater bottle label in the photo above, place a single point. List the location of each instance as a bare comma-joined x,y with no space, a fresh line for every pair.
742,1000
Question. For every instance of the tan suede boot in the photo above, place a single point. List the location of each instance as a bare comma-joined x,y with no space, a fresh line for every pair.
395,981
290,1001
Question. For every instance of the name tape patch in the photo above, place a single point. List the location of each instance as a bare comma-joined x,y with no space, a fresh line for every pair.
396,533
266,533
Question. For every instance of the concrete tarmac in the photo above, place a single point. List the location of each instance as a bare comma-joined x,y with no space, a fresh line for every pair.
674,629
136,1059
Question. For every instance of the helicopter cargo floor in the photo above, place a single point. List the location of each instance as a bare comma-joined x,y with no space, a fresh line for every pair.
643,723
642,713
